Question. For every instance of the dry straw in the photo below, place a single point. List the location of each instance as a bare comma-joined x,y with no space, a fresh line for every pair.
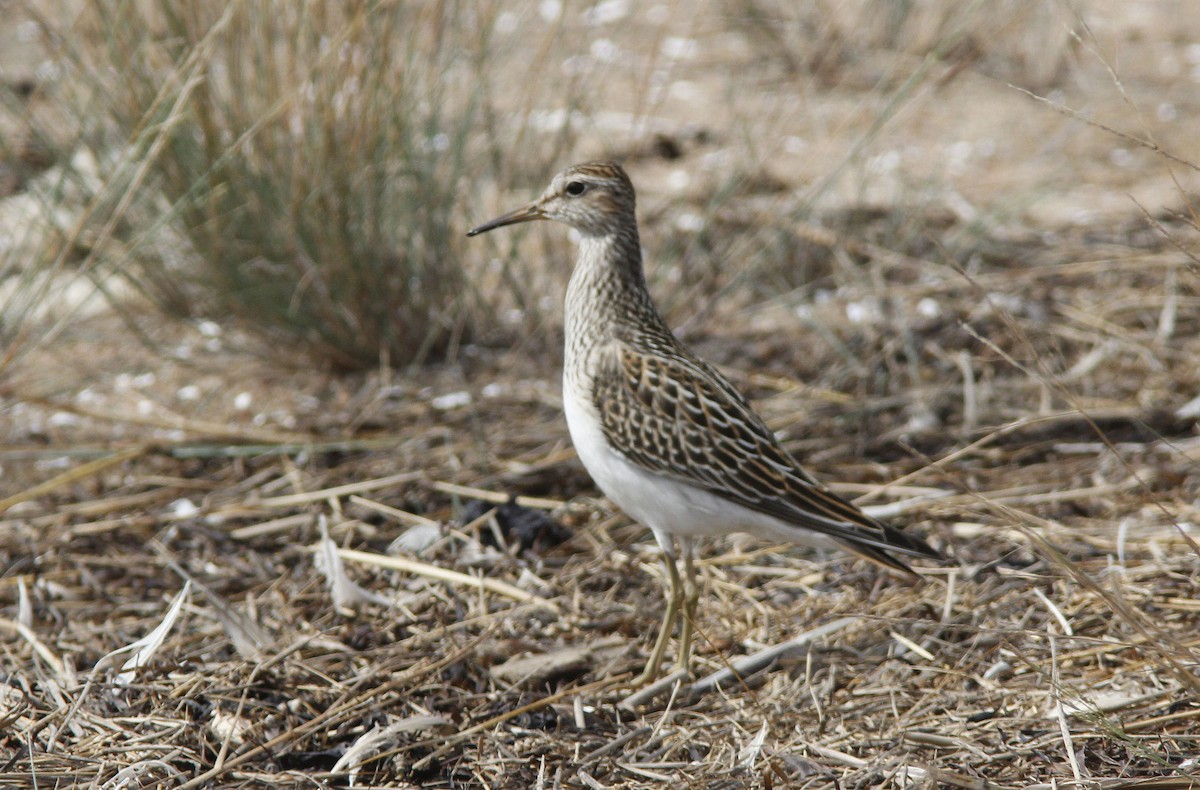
1027,399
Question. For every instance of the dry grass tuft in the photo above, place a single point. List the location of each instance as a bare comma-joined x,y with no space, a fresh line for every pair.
300,167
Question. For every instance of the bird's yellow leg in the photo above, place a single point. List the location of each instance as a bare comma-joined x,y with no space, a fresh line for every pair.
691,596
674,601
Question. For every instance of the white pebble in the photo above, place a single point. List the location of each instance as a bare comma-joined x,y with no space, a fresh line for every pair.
451,400
794,145
887,162
1121,157
183,508
63,419
506,22
862,312
604,50
679,179
606,12
929,308
678,48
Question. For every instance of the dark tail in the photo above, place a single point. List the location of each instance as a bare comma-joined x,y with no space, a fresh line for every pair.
898,541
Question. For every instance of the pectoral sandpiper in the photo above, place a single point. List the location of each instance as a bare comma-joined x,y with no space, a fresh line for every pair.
664,435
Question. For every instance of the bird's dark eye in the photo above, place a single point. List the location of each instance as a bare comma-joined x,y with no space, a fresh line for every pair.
576,188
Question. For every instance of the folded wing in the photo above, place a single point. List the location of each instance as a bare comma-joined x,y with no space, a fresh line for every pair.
676,416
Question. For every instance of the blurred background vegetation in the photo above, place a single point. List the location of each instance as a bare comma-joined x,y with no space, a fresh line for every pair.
307,168
296,166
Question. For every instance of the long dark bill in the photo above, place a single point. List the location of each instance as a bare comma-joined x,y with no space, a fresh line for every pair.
524,214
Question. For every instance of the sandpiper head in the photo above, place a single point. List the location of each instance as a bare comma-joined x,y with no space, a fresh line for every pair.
595,198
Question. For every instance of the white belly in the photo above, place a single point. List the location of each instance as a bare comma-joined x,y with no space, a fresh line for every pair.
666,506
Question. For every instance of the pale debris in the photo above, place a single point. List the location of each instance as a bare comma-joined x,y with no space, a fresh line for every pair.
144,649
346,593
380,740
